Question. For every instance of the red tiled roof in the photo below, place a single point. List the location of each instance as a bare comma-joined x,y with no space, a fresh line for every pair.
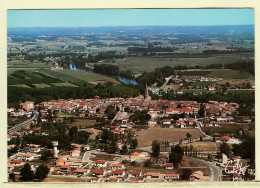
186,109
113,180
100,162
134,172
117,172
169,164
98,171
224,138
64,166
16,161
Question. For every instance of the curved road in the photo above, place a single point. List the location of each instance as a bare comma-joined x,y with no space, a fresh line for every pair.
215,172
24,123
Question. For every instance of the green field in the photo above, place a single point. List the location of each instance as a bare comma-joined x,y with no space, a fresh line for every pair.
41,85
29,77
26,64
62,76
234,74
141,64
64,84
86,76
20,85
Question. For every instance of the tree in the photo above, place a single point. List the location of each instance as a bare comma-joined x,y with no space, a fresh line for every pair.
188,135
41,172
26,173
155,149
133,143
176,155
202,110
186,174
124,149
224,148
46,154
148,163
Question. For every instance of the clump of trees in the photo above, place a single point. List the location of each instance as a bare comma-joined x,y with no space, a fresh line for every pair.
27,173
176,155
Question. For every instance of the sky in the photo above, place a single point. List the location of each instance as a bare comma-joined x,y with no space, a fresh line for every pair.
129,17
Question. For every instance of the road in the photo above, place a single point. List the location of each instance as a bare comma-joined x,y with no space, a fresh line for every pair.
24,123
215,172
156,91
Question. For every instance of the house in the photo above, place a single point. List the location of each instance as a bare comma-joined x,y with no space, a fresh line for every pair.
173,177
98,172
95,179
60,162
34,150
166,121
113,180
100,164
169,166
27,157
75,153
134,174
213,123
81,172
197,175
17,162
236,177
152,122
64,169
10,167
118,173
117,166
211,88
224,138
152,175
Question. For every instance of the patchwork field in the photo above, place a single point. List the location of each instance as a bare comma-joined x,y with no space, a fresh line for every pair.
26,64
87,76
146,137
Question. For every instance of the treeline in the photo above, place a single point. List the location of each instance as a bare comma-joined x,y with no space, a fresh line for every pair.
110,70
236,51
17,95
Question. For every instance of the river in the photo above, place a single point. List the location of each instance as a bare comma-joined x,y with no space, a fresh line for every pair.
121,79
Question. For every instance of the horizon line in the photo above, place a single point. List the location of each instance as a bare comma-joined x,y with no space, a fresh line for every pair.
132,26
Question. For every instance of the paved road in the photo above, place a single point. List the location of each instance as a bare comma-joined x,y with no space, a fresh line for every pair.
156,91
24,123
215,172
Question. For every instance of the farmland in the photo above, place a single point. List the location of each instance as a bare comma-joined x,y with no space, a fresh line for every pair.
28,77
26,64
146,137
87,76
141,64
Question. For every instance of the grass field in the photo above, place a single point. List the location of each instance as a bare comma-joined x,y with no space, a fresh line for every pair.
20,85
41,85
141,64
26,64
84,123
86,76
146,137
202,146
233,74
227,129
64,84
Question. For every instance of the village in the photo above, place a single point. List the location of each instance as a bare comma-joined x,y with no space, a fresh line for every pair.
121,119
